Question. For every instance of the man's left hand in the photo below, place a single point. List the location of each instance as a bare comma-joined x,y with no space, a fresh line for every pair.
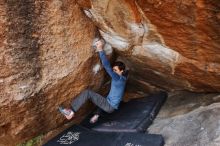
99,45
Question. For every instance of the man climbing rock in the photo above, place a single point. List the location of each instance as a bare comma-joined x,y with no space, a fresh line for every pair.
118,76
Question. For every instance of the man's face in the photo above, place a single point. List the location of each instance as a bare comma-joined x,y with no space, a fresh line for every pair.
117,70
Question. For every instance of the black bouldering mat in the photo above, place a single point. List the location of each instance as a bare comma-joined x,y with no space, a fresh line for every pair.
70,132
133,116
81,137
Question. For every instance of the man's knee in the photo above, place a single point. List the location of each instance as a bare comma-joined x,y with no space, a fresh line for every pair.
109,111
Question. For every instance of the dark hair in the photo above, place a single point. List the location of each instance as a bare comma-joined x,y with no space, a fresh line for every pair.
121,67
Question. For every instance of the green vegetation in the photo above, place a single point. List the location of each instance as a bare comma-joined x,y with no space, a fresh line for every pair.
33,142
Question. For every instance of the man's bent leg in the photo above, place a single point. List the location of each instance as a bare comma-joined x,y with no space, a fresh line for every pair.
80,100
96,98
101,102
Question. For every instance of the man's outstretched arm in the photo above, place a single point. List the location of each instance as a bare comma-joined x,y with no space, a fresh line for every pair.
105,61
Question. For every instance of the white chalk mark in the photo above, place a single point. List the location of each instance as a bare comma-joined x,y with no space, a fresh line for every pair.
88,13
116,41
108,49
131,144
96,68
69,138
159,52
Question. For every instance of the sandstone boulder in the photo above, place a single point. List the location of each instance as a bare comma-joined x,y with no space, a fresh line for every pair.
46,59
189,119
170,44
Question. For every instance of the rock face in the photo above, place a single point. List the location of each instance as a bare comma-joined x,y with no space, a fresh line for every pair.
169,44
46,59
189,119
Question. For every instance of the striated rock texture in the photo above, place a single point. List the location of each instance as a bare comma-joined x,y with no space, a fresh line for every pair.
45,60
170,44
46,56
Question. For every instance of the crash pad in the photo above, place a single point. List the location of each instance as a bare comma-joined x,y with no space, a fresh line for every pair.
133,116
78,136
67,136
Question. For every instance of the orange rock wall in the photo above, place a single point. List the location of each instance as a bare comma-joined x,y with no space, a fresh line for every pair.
46,60
46,57
170,44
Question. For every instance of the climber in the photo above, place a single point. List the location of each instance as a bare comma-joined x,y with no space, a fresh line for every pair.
109,104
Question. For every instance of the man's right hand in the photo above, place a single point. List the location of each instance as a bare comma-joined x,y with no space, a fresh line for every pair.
99,45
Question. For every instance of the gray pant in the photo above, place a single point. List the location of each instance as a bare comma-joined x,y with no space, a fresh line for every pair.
96,98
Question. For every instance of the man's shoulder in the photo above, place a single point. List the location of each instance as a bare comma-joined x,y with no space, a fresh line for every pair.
122,78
